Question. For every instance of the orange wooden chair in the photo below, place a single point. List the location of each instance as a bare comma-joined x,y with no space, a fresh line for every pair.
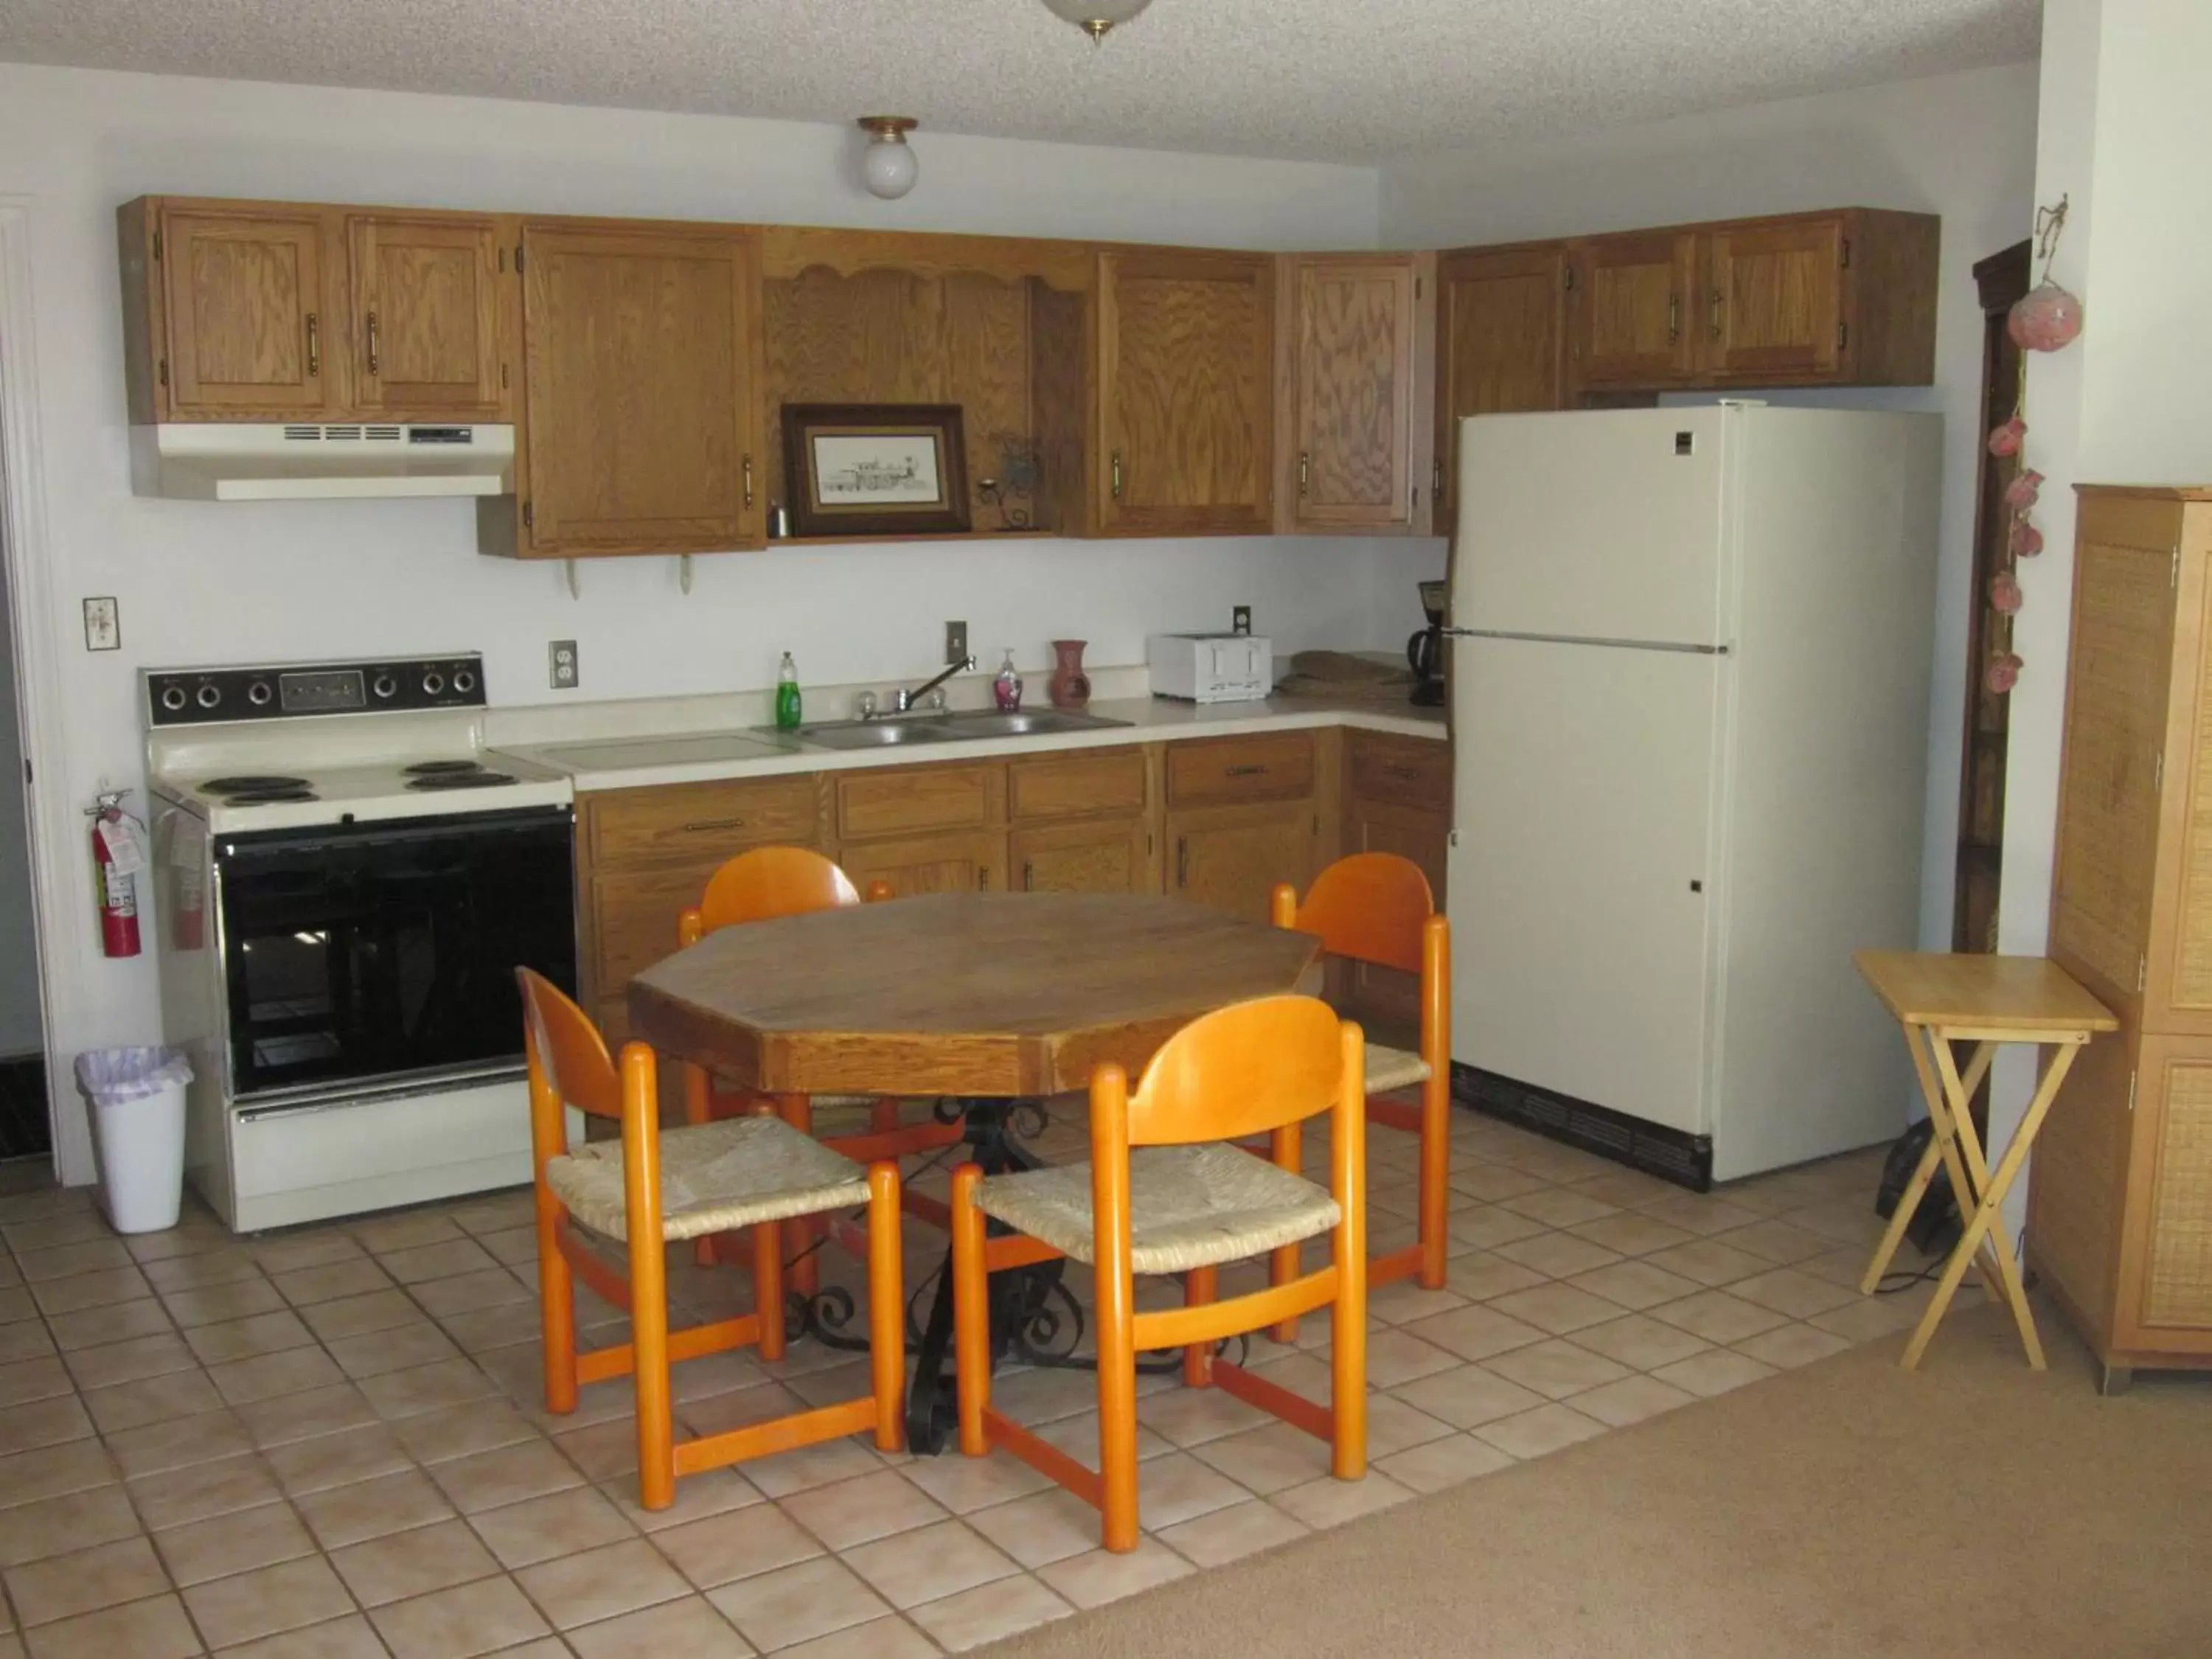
1164,1195
650,1189
1377,907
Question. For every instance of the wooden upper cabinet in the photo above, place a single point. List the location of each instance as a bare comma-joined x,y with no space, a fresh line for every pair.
1773,299
1186,344
1349,390
426,334
1634,298
1501,344
643,351
247,300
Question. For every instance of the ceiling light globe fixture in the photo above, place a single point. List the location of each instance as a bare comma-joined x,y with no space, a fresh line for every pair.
1095,17
890,168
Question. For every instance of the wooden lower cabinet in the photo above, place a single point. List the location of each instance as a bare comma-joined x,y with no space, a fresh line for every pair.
962,861
1114,855
1230,858
1397,800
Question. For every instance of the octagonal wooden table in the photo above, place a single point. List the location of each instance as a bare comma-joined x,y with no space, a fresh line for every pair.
982,997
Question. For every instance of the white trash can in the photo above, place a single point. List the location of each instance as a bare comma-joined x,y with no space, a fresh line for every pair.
137,1097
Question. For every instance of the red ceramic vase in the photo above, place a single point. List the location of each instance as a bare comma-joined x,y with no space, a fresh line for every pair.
1071,686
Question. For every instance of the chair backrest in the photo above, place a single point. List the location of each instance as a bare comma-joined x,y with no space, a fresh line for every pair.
565,1051
1370,907
1242,1071
770,882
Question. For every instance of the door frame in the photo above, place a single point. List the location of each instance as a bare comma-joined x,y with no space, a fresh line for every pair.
27,552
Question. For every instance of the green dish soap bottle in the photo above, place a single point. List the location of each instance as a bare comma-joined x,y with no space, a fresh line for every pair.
787,696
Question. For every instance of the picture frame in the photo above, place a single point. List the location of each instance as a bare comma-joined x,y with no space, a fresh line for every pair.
875,469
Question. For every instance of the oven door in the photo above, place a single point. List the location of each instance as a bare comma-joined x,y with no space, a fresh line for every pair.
362,957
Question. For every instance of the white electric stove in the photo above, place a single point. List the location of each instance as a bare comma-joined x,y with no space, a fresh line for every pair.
344,884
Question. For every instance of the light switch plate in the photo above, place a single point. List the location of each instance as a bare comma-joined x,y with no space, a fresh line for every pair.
955,642
564,675
1240,619
103,625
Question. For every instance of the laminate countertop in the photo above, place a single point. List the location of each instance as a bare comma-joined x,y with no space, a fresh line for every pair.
651,759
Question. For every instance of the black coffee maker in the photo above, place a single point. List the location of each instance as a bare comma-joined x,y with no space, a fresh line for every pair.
1425,651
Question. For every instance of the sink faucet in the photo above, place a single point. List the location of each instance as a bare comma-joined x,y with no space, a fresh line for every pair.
903,701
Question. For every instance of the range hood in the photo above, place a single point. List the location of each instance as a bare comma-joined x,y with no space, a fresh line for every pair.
240,462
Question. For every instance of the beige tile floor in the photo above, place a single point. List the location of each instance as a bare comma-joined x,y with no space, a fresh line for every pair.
328,1443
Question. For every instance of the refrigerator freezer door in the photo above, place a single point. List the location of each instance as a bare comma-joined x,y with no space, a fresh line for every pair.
1583,803
1598,524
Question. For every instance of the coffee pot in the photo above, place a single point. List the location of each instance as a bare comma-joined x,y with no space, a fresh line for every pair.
1425,651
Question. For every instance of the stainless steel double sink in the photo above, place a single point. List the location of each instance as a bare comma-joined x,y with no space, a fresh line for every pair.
967,726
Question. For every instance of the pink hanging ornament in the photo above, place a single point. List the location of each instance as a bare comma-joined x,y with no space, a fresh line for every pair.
2003,673
2026,540
2005,440
2045,319
2020,494
2004,591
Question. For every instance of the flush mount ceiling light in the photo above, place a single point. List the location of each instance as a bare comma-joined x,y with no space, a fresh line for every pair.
888,169
1095,17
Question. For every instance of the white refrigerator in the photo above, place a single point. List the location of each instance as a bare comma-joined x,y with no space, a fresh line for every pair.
1690,702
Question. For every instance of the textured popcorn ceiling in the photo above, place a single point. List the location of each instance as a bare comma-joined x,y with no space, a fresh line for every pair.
1331,80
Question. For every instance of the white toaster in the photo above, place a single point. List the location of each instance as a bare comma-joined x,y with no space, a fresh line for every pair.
1211,667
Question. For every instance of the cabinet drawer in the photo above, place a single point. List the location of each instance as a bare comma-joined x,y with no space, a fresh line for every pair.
1088,784
1413,772
909,800
1225,770
699,820
633,919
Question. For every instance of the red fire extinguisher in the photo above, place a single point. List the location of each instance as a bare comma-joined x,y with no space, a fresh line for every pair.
114,833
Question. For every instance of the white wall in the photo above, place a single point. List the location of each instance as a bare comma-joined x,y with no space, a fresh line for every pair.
20,1022
206,583
1962,146
2124,140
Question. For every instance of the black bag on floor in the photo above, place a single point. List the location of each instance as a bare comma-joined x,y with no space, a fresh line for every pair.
1936,1224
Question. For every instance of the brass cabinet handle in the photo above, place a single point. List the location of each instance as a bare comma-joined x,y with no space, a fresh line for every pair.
1717,301
704,827
1251,771
1029,877
983,879
1435,480
1116,471
372,343
749,482
1182,861
314,344
1406,772
1305,470
1673,317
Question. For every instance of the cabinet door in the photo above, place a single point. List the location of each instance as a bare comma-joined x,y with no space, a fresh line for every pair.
1230,858
1384,993
1185,388
250,314
1773,301
1501,344
1112,856
425,316
973,861
1350,366
1632,322
643,347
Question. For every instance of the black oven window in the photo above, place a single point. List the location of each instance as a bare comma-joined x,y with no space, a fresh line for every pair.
371,953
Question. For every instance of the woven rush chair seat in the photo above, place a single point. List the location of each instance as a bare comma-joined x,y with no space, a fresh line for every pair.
714,1177
1394,1068
1189,1206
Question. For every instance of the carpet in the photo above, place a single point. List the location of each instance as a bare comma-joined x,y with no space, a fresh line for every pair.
1848,1508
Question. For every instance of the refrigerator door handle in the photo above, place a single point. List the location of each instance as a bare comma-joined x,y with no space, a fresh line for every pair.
1585,639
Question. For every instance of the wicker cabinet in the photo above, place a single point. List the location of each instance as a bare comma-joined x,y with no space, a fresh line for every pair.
2120,1214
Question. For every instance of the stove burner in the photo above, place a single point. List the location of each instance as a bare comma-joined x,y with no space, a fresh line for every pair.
442,768
267,796
252,783
476,779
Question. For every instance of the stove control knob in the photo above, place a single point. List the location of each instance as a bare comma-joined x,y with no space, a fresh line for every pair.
258,694
210,695
433,684
464,681
385,686
174,698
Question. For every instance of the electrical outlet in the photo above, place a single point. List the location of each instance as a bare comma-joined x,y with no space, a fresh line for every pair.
103,625
1240,619
565,675
955,642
